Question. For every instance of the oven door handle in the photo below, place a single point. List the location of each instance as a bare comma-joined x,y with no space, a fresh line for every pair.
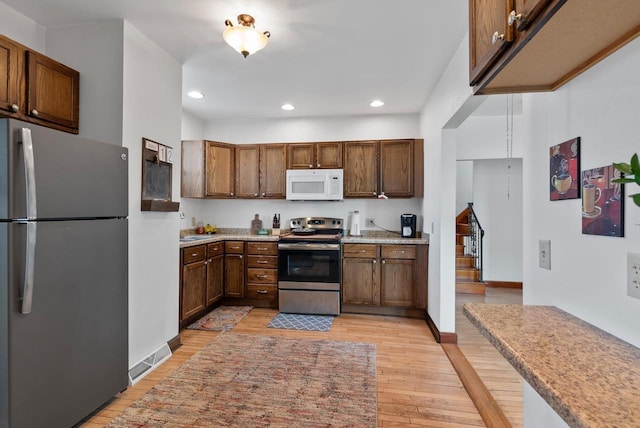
309,246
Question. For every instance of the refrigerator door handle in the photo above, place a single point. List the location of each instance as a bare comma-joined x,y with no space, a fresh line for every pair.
29,173
29,268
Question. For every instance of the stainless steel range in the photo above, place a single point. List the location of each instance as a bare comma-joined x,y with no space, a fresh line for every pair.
309,271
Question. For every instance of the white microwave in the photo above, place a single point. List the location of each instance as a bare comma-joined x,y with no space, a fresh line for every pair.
314,184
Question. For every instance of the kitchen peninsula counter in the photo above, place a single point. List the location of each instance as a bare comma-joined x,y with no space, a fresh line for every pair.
588,376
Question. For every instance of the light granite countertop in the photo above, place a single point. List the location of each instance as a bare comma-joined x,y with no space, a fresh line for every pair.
382,240
588,376
244,235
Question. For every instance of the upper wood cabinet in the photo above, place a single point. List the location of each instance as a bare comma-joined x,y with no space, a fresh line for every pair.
361,159
553,41
208,169
396,168
390,167
37,89
491,34
326,155
260,171
9,94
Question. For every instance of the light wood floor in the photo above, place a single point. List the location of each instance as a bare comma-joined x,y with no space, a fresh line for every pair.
498,375
417,386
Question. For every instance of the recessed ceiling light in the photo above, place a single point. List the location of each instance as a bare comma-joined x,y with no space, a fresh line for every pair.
376,103
195,94
287,107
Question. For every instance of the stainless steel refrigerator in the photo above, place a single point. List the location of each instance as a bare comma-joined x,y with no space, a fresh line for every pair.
63,275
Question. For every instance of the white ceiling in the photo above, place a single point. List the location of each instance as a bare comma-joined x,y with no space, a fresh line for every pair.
326,57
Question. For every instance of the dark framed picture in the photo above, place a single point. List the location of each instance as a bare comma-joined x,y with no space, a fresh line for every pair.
564,167
602,202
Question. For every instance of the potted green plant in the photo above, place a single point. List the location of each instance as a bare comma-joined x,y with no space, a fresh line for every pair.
631,173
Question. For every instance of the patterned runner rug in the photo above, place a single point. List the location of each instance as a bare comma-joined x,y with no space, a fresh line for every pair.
243,380
222,318
301,322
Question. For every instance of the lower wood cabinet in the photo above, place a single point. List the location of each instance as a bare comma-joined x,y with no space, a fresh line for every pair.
234,269
384,276
193,286
262,273
215,272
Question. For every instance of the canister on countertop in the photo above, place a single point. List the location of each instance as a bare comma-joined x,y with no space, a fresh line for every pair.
355,224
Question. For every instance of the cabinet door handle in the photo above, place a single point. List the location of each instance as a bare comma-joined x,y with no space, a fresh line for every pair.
255,194
262,249
318,165
374,262
261,291
231,194
374,193
15,108
235,248
262,262
310,166
496,36
513,18
194,254
264,194
34,112
261,276
384,262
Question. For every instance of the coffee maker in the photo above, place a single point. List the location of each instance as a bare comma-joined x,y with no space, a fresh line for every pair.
408,225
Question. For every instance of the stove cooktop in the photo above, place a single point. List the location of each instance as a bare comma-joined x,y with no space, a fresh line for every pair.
314,228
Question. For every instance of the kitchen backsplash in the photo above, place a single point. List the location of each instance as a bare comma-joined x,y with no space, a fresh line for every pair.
238,213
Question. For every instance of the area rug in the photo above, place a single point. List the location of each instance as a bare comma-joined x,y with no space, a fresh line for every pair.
222,318
301,322
241,380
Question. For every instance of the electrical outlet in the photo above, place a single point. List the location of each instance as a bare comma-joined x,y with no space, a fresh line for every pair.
544,253
193,222
369,222
633,275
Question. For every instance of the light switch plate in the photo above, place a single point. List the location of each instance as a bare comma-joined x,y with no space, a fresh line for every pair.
544,253
633,275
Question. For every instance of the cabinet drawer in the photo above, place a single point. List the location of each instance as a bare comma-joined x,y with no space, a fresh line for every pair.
398,251
215,249
365,251
266,248
193,254
262,276
234,247
262,262
261,291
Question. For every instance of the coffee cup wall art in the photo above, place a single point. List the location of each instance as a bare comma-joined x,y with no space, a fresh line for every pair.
602,202
564,167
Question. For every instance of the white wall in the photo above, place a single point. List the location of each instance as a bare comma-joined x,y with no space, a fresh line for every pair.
449,103
152,109
500,216
485,137
464,185
94,49
224,213
588,273
22,29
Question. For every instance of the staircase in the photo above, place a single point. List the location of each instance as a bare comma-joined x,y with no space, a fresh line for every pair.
469,235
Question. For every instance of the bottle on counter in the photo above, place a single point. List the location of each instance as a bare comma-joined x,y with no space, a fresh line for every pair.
256,224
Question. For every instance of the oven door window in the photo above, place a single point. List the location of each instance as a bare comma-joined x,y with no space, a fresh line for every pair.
309,266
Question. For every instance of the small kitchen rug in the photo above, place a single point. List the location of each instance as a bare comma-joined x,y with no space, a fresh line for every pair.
301,322
222,318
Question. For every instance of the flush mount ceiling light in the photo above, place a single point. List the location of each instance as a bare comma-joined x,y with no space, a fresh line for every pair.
287,107
244,37
376,103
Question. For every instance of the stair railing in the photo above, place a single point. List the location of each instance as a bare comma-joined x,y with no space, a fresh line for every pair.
476,234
